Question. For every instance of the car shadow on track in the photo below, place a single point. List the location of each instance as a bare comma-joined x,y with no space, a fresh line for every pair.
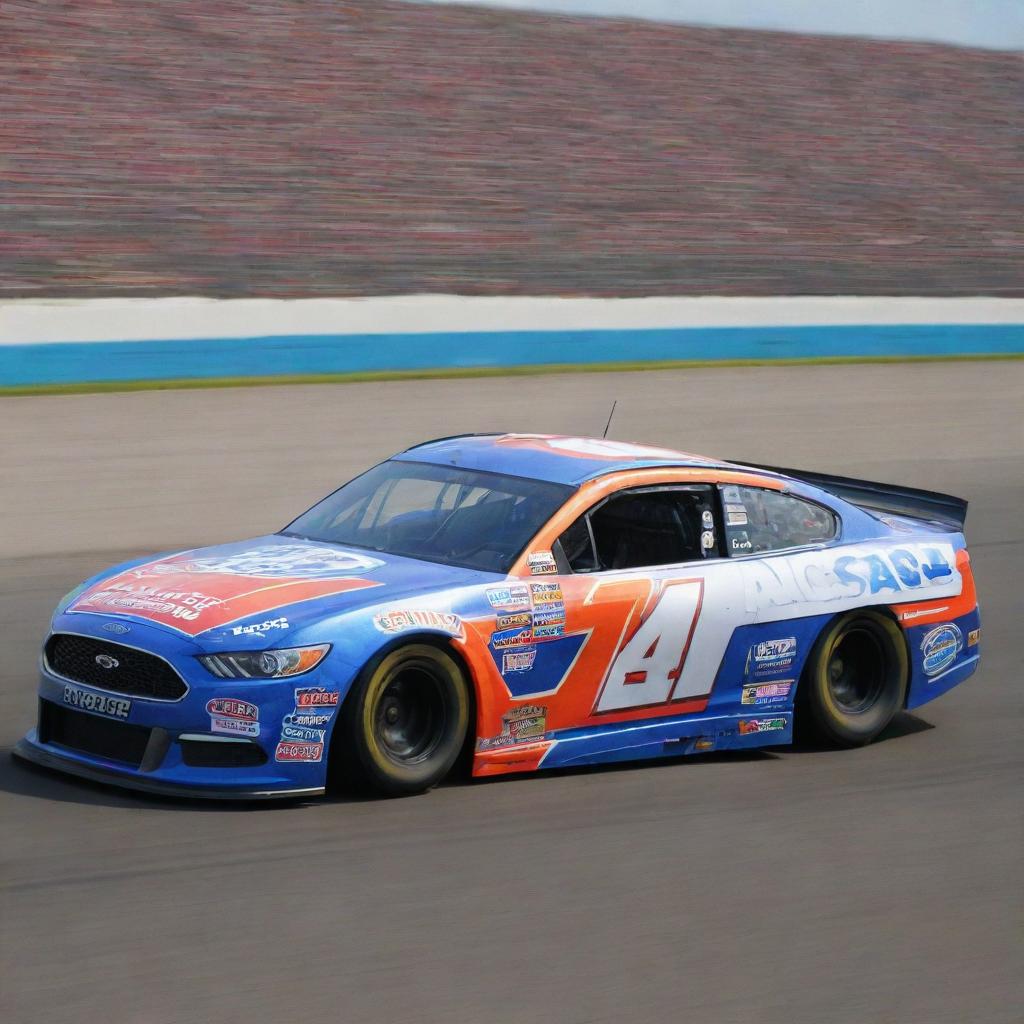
21,778
904,724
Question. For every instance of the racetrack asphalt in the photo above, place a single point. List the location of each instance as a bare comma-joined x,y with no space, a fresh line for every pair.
790,886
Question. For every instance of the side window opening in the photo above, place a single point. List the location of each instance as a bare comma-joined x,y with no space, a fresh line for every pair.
758,519
643,528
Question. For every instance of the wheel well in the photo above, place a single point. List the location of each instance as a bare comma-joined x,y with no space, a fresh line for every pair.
434,640
882,609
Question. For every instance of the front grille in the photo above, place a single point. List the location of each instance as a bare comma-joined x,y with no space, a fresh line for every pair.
90,734
113,667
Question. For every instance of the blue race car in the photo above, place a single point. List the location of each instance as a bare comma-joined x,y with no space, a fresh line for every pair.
518,601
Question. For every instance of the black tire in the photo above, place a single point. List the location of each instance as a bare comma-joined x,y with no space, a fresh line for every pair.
855,680
404,723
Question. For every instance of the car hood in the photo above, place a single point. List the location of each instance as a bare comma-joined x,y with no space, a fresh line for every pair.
258,588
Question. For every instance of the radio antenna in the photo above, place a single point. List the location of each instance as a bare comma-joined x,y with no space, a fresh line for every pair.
610,415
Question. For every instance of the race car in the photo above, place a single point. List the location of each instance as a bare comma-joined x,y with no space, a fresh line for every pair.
512,602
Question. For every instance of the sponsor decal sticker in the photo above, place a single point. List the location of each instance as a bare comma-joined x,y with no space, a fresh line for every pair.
549,614
751,725
260,627
546,632
511,598
524,724
313,718
731,496
707,540
973,637
940,647
514,620
116,627
741,541
234,717
301,734
546,593
287,750
707,520
511,638
766,693
316,697
541,563
771,657
517,661
413,618
98,703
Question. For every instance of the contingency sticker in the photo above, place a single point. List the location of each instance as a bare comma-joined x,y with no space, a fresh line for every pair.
234,717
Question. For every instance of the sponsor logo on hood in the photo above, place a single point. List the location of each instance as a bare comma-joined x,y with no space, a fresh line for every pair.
193,593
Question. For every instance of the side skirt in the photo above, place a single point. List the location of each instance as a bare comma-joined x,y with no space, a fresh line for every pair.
635,741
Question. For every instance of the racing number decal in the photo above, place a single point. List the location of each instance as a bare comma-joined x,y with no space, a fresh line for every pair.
648,663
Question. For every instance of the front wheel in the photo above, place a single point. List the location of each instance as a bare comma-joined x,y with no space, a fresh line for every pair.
855,680
405,721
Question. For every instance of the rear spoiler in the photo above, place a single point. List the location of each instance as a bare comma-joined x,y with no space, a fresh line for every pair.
930,506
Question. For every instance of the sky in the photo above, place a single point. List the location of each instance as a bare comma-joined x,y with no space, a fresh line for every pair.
998,24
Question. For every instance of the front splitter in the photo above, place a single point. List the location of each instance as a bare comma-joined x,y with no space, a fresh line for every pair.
46,759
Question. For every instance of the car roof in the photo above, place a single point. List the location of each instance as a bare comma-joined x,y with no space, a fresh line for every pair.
551,457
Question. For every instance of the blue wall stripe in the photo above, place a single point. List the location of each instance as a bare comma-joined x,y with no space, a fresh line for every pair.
69,362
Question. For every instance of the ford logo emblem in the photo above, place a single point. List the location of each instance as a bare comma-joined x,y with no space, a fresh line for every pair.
106,661
115,627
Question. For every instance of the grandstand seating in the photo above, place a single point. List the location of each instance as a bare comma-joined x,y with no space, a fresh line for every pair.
356,147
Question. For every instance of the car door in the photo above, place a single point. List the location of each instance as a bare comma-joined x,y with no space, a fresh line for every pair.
646,579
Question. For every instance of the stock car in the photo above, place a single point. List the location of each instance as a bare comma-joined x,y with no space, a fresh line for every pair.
512,602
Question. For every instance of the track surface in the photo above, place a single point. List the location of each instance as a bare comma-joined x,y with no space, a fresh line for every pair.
793,886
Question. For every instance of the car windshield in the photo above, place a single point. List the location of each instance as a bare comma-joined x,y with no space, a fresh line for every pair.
437,513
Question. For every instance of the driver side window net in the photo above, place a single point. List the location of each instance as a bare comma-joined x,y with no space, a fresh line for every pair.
757,520
643,528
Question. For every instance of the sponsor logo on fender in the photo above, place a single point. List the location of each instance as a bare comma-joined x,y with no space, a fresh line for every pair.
98,703
525,724
751,725
234,717
404,619
973,637
260,627
517,661
861,574
940,647
514,620
766,693
316,697
512,638
290,751
511,598
771,657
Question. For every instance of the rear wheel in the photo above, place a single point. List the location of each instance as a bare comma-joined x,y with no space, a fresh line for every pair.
405,721
855,680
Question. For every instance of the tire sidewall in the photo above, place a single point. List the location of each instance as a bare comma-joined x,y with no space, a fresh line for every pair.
364,752
831,722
